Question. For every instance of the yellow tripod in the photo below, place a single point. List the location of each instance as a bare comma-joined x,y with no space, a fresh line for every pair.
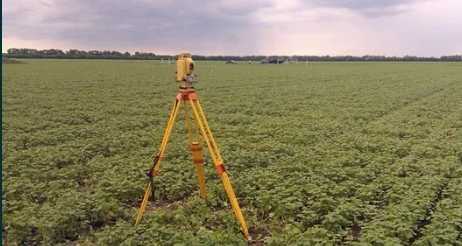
188,99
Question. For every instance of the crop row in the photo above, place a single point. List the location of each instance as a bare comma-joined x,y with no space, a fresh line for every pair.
318,153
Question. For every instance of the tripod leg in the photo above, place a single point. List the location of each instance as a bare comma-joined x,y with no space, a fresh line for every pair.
156,163
198,160
197,155
166,136
207,128
214,152
147,193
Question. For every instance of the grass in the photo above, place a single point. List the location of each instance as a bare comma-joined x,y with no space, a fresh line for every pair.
331,153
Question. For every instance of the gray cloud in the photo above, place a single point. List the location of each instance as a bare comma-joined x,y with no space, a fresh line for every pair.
103,23
209,26
370,8
362,4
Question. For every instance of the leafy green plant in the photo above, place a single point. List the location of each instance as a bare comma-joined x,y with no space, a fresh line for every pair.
319,154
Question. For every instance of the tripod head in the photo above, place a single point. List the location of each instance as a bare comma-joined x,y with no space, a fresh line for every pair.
185,70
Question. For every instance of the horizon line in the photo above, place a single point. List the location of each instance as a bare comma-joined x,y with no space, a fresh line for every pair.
209,55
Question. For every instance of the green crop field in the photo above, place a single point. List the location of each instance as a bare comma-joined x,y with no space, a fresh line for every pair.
319,153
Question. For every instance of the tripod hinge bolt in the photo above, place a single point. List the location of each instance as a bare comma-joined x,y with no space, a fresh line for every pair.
220,169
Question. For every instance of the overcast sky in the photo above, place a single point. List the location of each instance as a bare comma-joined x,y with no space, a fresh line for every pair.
238,27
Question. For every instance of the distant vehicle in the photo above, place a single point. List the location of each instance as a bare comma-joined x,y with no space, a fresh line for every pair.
274,60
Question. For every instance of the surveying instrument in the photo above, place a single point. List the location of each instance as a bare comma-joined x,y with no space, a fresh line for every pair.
194,120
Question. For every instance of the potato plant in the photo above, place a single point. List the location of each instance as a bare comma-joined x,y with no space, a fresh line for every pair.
319,153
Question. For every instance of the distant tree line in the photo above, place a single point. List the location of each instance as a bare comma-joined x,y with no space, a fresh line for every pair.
107,54
78,54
